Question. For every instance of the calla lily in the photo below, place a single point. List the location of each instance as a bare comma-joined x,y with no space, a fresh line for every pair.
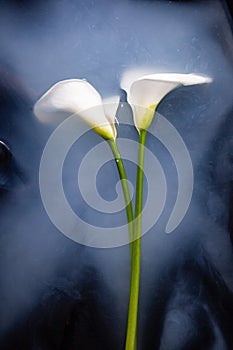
145,92
77,96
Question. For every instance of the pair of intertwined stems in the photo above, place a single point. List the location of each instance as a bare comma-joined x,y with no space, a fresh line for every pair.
144,92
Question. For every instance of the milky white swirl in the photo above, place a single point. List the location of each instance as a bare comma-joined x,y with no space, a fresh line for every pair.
70,224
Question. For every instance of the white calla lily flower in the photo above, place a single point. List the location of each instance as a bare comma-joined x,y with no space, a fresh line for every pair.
77,96
145,93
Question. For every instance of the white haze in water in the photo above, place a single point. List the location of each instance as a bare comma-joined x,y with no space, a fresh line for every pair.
99,40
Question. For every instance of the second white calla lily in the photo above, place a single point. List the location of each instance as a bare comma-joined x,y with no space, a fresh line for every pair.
144,93
77,96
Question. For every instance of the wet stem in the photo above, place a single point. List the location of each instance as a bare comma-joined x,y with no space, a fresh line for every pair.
136,250
135,231
125,186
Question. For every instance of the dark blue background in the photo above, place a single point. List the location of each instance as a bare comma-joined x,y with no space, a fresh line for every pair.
56,294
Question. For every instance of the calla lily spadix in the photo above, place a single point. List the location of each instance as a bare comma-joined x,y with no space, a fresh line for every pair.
77,96
145,93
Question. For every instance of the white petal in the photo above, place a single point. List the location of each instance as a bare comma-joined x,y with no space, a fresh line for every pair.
110,107
149,90
66,97
184,79
75,96
145,93
132,75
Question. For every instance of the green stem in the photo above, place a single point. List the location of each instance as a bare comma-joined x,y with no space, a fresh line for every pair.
125,186
136,250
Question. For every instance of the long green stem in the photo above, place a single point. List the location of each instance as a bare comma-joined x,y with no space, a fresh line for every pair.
125,187
136,250
128,200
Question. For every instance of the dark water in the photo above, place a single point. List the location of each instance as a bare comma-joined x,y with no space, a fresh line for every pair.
57,294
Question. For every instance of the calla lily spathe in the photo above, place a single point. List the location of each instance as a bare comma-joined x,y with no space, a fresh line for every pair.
145,92
77,96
